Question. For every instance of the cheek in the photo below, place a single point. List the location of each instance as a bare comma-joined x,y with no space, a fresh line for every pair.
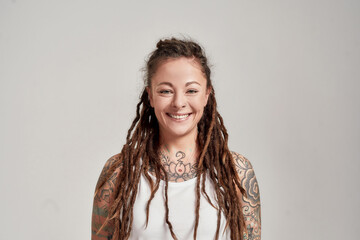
160,104
203,101
200,104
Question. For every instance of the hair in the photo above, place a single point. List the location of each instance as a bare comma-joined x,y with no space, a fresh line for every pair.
141,151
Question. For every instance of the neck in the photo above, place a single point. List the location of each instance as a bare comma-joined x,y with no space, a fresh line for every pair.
178,144
186,144
178,156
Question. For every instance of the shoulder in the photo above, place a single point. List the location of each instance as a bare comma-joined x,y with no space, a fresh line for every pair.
242,164
109,164
105,184
111,161
247,179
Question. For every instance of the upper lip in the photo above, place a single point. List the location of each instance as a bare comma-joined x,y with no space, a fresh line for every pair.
179,114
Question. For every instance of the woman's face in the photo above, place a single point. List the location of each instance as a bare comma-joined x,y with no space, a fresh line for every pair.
178,95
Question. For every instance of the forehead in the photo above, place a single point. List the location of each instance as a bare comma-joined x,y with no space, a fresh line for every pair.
179,69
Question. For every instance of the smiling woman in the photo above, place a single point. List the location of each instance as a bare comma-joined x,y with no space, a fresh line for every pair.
175,177
178,94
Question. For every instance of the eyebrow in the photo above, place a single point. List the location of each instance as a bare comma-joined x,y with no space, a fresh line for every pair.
187,84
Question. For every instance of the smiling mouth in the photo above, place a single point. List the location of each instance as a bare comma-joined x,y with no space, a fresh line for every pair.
178,116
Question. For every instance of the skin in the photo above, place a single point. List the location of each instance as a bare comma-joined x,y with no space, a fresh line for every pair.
177,171
102,201
177,88
250,203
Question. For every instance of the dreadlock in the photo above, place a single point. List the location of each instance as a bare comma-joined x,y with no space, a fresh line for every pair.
142,147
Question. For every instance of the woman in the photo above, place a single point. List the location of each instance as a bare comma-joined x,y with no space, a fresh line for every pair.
175,177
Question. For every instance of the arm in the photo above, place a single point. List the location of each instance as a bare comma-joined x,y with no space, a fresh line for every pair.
251,203
101,204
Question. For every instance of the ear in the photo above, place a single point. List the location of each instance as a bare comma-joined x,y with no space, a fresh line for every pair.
148,89
208,91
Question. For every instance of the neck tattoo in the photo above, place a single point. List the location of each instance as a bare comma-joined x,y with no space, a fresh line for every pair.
177,170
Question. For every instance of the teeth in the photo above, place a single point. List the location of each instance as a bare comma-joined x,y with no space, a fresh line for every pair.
179,116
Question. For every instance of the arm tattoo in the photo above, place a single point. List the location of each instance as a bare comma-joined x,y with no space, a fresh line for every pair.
250,203
107,166
248,180
105,192
102,201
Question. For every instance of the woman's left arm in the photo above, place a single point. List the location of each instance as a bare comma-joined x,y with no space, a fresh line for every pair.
250,204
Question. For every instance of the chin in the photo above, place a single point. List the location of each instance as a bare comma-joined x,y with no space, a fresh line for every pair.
179,132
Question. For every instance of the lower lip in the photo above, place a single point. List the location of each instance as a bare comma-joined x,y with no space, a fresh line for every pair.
179,119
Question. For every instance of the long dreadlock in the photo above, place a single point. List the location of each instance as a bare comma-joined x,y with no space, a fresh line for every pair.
142,147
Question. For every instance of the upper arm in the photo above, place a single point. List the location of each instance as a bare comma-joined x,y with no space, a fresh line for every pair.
250,203
101,203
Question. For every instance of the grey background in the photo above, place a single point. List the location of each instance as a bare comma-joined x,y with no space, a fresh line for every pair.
286,76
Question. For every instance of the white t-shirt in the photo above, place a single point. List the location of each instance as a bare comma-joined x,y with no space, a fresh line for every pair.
181,202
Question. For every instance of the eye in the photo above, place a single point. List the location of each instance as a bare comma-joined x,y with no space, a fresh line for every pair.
192,91
165,91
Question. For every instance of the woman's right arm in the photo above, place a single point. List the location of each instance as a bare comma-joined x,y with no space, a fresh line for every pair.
102,200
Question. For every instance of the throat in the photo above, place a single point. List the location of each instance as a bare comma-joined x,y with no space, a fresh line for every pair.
179,167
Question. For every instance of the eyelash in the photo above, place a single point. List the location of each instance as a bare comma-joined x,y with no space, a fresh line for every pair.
192,91
164,91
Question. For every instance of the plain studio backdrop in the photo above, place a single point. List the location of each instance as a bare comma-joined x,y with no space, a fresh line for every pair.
286,76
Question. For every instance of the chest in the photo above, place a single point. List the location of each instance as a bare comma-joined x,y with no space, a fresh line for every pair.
181,203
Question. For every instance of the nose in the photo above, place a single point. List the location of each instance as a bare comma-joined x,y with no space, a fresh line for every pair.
179,101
